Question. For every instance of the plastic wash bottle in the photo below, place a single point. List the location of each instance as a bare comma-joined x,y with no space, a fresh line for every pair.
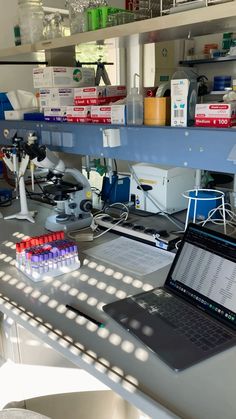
134,103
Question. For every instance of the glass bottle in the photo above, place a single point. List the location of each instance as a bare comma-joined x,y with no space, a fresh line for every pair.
31,17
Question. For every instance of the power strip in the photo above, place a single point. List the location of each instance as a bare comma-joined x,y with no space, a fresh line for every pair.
154,237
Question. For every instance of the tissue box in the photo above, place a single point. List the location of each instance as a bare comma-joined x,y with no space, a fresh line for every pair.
18,114
218,115
113,114
63,77
98,95
53,97
78,114
22,99
55,114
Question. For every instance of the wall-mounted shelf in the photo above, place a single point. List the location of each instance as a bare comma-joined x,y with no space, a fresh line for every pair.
191,63
23,62
14,51
203,148
213,19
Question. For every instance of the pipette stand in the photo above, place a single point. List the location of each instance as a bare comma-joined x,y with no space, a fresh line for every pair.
24,213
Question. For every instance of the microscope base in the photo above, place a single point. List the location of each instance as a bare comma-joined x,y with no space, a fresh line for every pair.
53,225
22,216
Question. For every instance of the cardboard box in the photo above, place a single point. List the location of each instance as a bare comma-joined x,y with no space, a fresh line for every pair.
116,91
179,102
89,95
53,97
63,77
218,115
113,114
78,114
98,95
55,114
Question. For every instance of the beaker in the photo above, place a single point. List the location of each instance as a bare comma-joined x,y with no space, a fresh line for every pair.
53,27
77,15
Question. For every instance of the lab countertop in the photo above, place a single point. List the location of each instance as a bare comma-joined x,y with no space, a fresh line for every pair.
110,354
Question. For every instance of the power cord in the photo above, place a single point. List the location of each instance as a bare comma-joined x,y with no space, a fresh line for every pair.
81,235
123,216
230,217
230,220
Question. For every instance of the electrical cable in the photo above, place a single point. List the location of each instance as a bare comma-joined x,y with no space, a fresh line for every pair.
6,203
230,221
177,244
122,217
100,214
95,190
138,212
42,194
110,228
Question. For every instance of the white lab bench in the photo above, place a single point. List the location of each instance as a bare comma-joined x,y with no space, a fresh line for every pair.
110,354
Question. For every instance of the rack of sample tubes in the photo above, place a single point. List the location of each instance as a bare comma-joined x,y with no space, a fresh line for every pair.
47,256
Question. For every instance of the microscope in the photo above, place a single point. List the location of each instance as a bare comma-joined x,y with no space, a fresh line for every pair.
69,189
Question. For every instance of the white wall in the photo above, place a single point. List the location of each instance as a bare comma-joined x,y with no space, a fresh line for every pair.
12,76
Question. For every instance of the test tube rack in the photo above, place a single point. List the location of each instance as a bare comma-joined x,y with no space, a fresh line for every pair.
46,256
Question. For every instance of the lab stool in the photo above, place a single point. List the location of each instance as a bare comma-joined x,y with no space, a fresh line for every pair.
20,414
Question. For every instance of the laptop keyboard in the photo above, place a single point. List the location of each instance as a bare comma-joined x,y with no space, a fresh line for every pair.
194,326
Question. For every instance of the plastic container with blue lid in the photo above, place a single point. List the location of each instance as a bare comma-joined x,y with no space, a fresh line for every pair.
221,82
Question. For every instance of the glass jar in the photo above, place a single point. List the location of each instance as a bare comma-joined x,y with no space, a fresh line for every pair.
31,17
53,26
78,15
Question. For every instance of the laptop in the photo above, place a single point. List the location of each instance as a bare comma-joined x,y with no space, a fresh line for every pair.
193,316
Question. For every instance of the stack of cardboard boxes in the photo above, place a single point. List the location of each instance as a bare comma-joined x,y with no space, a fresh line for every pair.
68,94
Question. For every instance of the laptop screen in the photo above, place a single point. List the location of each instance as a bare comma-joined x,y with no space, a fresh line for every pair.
204,272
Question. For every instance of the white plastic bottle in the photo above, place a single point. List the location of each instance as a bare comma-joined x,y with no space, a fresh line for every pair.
134,106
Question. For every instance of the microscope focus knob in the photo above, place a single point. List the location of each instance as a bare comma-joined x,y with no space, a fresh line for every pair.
72,205
86,205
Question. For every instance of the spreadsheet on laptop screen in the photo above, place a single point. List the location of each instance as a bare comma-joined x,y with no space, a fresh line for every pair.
205,272
209,274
